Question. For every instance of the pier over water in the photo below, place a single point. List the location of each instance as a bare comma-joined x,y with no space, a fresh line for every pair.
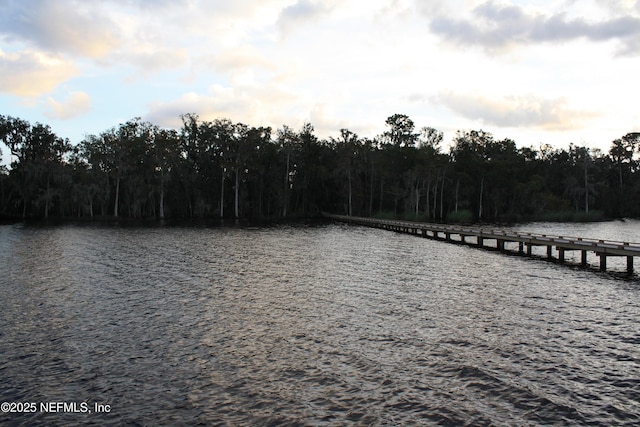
496,239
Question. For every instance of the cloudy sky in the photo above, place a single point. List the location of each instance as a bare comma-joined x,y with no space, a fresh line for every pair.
540,71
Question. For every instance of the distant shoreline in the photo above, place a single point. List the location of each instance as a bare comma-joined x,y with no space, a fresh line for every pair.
579,217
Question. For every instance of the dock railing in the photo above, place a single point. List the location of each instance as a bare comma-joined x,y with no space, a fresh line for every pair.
526,241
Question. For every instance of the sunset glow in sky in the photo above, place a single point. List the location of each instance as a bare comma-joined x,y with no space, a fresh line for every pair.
535,71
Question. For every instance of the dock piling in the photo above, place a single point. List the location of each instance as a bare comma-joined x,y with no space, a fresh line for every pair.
601,248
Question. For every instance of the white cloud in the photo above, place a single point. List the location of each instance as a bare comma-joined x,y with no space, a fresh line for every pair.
239,58
219,102
335,63
255,106
620,7
75,27
302,12
517,111
31,73
147,61
77,104
326,121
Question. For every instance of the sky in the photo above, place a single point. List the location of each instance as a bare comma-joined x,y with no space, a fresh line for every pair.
538,72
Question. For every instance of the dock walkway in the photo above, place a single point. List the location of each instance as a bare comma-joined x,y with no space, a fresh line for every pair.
526,241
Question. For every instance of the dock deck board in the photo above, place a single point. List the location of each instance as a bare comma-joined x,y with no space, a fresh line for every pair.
602,248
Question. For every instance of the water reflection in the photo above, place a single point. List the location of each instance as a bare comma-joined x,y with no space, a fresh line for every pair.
308,325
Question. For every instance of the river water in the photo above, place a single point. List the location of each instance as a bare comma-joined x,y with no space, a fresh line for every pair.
306,325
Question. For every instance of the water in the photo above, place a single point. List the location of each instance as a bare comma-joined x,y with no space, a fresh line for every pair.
626,231
621,231
307,325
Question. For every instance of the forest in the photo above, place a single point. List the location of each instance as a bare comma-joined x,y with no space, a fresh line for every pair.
222,169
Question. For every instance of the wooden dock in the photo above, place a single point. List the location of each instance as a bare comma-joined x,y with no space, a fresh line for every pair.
478,236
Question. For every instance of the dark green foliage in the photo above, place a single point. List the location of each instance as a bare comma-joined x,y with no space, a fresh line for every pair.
463,216
221,169
38,173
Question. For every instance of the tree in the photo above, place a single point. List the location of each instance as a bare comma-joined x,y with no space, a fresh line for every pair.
430,139
287,139
346,148
245,143
132,146
489,171
401,131
430,168
622,154
254,167
195,155
308,149
166,152
470,153
577,187
227,169
223,144
39,153
4,173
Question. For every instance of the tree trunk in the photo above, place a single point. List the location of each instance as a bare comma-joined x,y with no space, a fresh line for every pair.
381,194
371,191
286,189
237,192
444,173
260,198
115,207
621,199
481,190
457,189
162,202
435,197
350,198
46,202
586,188
428,207
620,174
222,196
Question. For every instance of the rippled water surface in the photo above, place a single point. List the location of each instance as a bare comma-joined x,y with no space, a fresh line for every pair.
308,325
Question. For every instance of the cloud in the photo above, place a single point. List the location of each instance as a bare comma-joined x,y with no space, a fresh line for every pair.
497,26
30,73
521,111
620,7
257,106
326,122
300,13
148,36
75,27
221,102
238,59
148,59
77,104
242,66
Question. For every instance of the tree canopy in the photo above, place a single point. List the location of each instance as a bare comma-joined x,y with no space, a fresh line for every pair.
222,169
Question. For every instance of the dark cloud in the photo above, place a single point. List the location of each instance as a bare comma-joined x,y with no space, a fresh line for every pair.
497,26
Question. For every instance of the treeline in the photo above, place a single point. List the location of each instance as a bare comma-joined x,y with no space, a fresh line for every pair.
209,169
